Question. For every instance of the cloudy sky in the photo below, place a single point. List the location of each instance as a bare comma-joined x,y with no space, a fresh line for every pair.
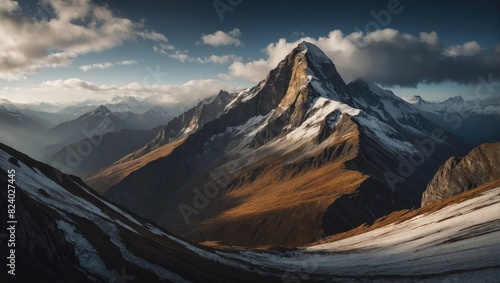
72,50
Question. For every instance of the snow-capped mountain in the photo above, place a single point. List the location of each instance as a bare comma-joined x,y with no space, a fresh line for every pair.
473,120
454,105
66,232
300,148
118,104
138,139
186,123
124,104
94,123
175,130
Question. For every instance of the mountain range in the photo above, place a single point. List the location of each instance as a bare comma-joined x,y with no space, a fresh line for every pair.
43,129
301,178
475,121
336,156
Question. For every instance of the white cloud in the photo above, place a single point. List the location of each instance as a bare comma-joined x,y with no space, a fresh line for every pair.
172,52
106,65
220,38
429,37
183,55
216,59
152,35
59,32
70,84
384,56
467,49
96,66
254,71
126,62
190,92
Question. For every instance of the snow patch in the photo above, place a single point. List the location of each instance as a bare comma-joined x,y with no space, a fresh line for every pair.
126,226
87,255
382,132
321,108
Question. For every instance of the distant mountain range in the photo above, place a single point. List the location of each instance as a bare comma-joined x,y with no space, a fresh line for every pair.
127,145
39,117
474,121
42,134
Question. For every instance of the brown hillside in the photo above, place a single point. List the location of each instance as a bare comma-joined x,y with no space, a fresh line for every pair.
112,175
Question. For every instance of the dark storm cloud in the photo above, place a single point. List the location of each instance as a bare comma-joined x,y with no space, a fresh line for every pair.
388,57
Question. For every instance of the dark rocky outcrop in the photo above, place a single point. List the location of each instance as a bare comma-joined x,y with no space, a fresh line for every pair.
458,175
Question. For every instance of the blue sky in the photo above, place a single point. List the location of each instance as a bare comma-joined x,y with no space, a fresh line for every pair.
187,50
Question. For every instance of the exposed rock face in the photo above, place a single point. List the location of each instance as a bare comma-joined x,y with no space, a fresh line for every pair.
290,161
458,175
186,123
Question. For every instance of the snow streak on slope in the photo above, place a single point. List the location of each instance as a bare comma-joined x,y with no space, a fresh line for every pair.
33,183
87,255
383,132
459,241
321,108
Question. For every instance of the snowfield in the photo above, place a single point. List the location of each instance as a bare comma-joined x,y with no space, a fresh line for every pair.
459,241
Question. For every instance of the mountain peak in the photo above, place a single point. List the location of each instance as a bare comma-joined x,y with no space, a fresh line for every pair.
456,99
319,67
313,51
103,108
100,111
372,88
416,100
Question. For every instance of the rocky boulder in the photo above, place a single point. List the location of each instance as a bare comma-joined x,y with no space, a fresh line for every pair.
458,175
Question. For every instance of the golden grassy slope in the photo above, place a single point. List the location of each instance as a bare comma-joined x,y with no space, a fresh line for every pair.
112,175
272,209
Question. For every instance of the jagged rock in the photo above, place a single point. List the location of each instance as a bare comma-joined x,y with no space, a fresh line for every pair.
458,175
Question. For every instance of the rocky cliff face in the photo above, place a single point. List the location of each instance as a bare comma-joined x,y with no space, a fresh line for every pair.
458,175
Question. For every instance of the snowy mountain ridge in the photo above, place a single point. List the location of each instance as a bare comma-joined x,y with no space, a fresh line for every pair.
454,104
473,120
296,124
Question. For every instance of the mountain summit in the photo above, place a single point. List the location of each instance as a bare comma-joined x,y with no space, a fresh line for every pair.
298,157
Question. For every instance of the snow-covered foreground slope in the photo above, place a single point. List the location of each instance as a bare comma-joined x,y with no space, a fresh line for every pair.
66,232
459,243
55,211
